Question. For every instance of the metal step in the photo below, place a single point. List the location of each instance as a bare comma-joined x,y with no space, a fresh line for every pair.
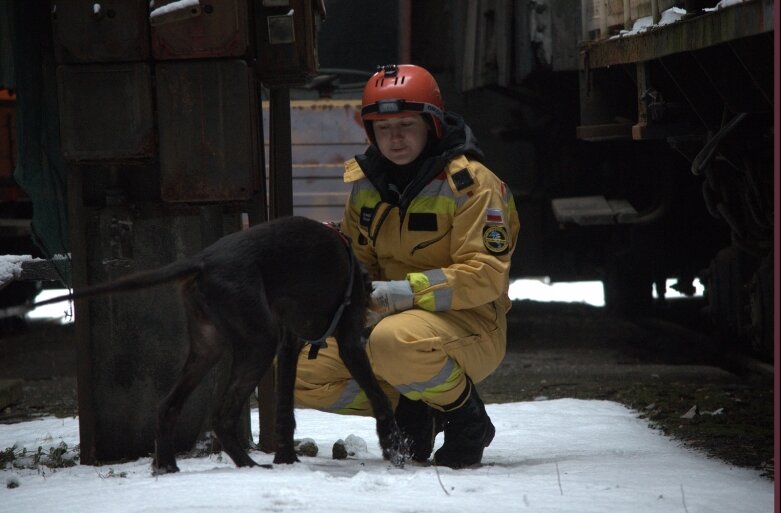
593,211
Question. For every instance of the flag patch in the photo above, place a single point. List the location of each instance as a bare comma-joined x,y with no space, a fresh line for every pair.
494,216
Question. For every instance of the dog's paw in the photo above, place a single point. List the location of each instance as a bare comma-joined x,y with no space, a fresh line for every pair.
396,457
287,457
159,470
397,451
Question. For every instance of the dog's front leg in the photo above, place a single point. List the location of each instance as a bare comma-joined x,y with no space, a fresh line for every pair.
287,360
354,357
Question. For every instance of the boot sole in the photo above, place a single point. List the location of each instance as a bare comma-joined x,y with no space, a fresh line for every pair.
488,437
489,434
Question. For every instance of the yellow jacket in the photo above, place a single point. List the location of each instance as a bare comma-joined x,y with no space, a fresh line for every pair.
453,241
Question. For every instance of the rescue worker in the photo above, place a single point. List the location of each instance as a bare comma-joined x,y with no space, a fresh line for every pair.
435,229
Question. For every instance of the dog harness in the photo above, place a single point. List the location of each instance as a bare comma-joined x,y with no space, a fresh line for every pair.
315,345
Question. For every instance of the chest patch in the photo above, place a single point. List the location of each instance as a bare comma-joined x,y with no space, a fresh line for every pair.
366,216
422,222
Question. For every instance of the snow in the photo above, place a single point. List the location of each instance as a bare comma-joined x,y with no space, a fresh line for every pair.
672,15
11,266
548,456
179,5
723,4
668,16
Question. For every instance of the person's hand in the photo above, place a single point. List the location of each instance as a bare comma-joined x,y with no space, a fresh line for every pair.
388,297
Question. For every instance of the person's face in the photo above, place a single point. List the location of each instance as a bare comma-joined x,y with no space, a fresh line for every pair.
401,140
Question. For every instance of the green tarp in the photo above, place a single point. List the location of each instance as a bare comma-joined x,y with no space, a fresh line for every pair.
40,169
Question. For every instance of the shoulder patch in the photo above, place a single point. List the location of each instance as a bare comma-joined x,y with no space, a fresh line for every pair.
462,179
496,239
352,171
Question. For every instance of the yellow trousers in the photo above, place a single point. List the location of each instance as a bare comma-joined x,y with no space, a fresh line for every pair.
423,355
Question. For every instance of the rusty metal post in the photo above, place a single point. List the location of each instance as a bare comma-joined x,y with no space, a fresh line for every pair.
405,30
639,129
77,235
280,205
280,154
604,8
627,15
656,15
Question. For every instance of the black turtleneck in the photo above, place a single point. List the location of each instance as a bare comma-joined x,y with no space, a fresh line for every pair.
391,181
400,176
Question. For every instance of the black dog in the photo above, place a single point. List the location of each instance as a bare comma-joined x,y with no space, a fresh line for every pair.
263,292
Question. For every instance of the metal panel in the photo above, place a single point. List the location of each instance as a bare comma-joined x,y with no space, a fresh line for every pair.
206,114
214,29
105,111
487,39
105,31
565,36
325,133
284,57
593,211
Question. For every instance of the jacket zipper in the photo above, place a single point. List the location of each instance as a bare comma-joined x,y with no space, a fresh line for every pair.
428,243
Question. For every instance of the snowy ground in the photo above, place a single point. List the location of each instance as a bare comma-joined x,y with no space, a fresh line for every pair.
548,456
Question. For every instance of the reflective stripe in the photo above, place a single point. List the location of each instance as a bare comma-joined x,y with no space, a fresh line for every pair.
352,399
437,187
435,276
435,204
443,299
445,380
434,300
441,189
364,194
510,202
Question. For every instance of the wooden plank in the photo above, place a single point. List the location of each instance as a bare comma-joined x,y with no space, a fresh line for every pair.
26,268
44,270
737,21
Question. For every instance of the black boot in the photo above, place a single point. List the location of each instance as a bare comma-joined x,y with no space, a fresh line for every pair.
468,430
419,424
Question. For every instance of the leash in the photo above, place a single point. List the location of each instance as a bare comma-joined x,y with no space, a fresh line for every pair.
315,345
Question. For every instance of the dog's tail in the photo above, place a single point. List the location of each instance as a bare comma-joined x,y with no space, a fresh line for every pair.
135,281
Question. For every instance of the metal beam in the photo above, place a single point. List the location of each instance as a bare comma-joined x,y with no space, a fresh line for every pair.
735,22
280,154
280,198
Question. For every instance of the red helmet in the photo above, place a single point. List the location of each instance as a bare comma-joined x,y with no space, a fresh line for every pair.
399,90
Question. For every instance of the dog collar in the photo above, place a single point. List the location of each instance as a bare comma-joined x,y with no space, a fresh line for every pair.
315,345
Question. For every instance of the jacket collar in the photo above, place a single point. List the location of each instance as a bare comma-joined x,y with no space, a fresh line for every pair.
457,139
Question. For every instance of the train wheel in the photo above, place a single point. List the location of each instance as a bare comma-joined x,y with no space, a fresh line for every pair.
725,292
